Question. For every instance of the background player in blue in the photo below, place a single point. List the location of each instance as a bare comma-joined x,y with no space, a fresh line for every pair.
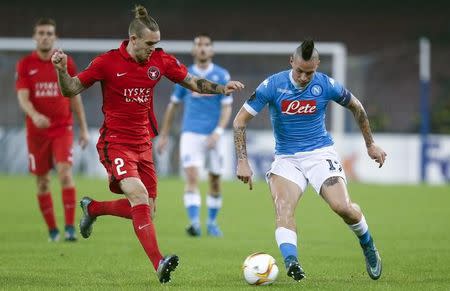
304,151
204,120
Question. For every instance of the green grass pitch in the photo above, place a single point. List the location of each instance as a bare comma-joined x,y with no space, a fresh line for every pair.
410,224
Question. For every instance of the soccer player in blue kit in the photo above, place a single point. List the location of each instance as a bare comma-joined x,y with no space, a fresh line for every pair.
204,120
304,151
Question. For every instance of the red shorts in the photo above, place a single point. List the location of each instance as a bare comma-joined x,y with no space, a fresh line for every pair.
126,160
44,151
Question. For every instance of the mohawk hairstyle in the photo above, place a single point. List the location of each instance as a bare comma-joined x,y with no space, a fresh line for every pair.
307,49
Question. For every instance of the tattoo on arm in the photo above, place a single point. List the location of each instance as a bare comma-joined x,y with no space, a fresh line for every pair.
69,86
208,87
361,118
240,142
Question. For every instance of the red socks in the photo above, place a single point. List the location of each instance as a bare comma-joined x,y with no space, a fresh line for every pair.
143,227
69,200
46,206
119,208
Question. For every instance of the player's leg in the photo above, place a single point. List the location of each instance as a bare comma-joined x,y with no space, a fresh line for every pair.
192,158
214,204
192,200
46,206
62,148
68,198
214,200
40,163
334,192
147,172
286,194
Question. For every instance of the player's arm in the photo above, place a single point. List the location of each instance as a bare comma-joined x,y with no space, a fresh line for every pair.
78,109
374,151
244,172
204,86
163,139
69,86
40,120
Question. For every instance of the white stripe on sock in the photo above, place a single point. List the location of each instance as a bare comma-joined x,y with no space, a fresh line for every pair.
284,235
359,228
214,202
192,199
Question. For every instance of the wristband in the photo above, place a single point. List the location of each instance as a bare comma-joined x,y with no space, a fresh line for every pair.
219,130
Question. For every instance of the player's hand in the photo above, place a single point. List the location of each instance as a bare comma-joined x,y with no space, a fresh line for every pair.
376,153
59,60
161,146
83,140
244,172
40,121
211,141
232,86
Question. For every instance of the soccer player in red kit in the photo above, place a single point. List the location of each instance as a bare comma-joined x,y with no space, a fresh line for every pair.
49,126
128,76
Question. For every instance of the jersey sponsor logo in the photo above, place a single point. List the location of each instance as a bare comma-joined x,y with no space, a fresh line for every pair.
32,72
139,95
121,74
46,89
285,91
303,107
316,90
153,73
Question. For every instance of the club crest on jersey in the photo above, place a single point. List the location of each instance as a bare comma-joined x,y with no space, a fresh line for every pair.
303,107
316,90
153,73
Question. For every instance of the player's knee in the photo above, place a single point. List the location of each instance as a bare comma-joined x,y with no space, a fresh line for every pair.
66,179
343,209
43,184
136,193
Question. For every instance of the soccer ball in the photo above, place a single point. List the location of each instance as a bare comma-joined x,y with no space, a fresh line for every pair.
260,269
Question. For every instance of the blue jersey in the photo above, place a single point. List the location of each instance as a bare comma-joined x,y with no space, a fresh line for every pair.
202,111
297,114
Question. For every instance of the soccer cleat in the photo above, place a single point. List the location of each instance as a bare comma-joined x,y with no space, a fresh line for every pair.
193,230
86,221
69,233
53,235
373,259
214,230
294,269
167,265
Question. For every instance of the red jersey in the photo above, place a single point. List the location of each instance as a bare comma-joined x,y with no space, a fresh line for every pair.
39,77
127,88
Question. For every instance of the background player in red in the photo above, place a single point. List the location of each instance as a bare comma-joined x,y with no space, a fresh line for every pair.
49,126
128,76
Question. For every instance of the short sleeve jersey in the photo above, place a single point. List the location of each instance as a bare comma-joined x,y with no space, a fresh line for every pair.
39,78
127,88
298,114
202,111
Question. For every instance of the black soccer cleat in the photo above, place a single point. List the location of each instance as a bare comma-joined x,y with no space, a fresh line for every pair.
294,270
194,230
167,265
86,221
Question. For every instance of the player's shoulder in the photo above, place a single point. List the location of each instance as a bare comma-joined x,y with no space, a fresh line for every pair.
278,78
26,59
324,79
221,71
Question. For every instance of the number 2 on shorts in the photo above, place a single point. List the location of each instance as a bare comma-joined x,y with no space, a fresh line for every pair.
119,164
